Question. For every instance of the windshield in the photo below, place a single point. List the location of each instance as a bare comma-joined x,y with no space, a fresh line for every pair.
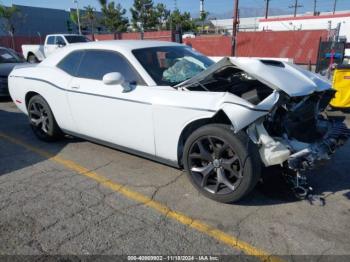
76,39
8,57
171,65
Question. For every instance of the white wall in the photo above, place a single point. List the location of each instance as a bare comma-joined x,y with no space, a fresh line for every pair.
309,24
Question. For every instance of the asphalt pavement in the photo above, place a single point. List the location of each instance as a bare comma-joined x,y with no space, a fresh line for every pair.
77,197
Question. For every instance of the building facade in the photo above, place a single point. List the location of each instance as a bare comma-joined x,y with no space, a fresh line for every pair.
324,21
38,21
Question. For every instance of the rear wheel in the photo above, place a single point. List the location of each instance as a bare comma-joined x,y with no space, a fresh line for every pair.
32,59
222,165
42,120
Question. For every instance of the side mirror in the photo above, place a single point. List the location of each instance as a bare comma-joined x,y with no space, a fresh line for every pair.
61,44
115,78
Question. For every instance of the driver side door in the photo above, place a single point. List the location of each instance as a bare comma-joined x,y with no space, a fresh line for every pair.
50,45
106,112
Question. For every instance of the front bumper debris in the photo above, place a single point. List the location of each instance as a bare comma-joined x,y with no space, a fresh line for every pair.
319,152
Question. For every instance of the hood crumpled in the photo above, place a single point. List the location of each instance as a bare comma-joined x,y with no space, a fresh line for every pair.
292,79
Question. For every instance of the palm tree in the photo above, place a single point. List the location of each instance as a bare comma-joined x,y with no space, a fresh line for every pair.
90,17
74,18
10,17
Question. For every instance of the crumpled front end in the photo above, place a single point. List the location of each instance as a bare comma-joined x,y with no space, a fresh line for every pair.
297,134
280,105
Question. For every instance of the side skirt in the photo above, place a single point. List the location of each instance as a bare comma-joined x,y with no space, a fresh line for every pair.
125,149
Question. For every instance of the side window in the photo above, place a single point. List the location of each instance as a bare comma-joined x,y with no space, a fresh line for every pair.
59,40
70,63
95,64
50,40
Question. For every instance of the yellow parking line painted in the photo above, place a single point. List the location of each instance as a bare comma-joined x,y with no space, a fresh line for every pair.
157,206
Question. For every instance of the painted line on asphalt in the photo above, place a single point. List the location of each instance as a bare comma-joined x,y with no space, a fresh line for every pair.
155,205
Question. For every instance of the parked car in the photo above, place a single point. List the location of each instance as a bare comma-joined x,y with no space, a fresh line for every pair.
37,53
8,60
188,35
220,121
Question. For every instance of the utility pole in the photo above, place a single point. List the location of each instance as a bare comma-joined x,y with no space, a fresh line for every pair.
335,6
315,7
234,29
295,6
78,15
267,8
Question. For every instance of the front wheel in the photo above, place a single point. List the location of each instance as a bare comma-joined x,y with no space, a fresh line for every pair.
32,59
42,120
222,165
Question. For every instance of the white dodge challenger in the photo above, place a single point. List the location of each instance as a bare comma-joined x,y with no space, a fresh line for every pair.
222,122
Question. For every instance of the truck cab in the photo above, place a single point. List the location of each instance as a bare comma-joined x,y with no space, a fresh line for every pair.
37,53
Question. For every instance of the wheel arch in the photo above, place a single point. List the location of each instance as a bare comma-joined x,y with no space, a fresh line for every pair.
219,118
30,53
28,96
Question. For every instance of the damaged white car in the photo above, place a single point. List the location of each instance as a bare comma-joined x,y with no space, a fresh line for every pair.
222,121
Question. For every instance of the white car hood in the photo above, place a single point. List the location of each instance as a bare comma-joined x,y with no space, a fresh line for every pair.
292,79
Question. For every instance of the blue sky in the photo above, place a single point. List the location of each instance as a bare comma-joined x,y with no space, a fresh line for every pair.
213,6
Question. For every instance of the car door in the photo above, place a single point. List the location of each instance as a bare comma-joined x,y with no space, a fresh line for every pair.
50,45
107,112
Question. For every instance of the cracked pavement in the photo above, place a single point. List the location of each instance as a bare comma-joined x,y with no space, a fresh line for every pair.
46,208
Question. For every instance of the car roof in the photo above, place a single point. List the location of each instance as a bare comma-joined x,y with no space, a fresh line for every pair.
125,44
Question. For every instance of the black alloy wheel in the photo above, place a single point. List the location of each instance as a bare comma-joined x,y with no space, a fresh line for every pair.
223,165
42,120
39,118
214,165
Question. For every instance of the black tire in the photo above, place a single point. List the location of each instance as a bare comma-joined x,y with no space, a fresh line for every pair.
235,160
32,59
42,120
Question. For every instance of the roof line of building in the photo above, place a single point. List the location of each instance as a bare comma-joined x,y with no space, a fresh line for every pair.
305,17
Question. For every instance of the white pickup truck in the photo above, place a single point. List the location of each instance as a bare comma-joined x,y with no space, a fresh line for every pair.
37,53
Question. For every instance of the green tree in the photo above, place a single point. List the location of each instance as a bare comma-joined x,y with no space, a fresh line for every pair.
203,17
74,17
114,18
11,17
183,20
90,17
162,14
144,15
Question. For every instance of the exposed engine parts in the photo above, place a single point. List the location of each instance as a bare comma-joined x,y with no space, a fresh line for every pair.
301,189
297,136
320,151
